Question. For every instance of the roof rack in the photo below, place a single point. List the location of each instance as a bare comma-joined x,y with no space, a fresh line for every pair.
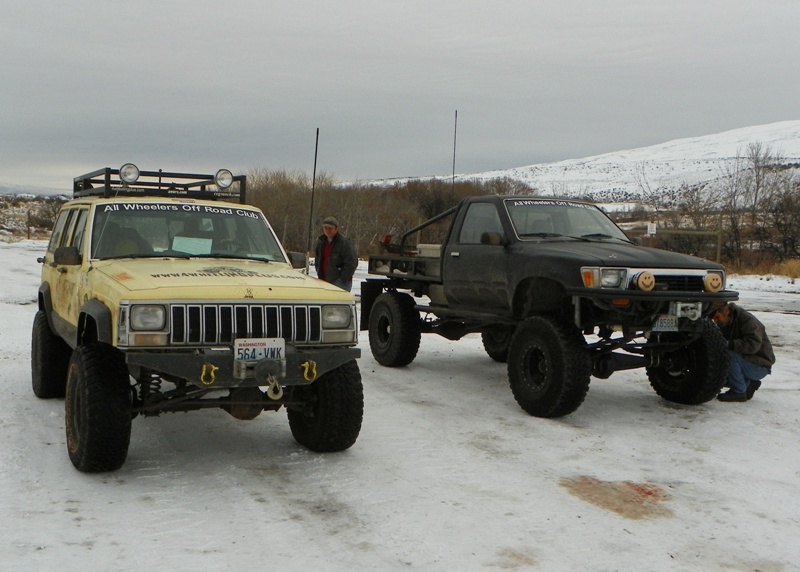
107,183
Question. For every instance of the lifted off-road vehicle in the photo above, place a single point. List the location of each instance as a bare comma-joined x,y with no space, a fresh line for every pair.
165,292
557,291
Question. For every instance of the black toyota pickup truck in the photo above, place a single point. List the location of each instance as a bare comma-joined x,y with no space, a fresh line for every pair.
557,291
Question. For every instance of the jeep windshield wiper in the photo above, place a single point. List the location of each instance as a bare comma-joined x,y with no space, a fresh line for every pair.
542,234
234,256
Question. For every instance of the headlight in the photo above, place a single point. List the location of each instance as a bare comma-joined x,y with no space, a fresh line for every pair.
335,316
604,277
223,178
148,317
129,173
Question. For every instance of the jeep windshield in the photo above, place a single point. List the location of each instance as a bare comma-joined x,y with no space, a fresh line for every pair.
139,229
561,220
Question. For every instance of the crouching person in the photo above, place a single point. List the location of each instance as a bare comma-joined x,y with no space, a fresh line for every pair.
750,352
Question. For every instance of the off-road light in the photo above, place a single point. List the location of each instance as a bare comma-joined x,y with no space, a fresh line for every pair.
129,173
223,178
645,281
713,282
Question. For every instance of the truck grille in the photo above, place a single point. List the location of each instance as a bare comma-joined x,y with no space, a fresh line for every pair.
679,283
220,324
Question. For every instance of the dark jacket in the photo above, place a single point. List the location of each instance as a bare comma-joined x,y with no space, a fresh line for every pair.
343,260
748,337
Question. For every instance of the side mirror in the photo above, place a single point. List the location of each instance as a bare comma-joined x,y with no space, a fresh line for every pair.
298,259
493,239
67,256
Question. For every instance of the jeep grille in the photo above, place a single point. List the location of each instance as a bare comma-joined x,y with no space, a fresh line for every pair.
220,324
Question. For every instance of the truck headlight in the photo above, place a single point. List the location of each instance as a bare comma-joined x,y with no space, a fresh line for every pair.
335,316
152,318
604,277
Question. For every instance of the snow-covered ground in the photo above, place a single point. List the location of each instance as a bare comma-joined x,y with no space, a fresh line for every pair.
447,474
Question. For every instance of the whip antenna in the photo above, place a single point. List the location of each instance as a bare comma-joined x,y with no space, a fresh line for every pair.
311,210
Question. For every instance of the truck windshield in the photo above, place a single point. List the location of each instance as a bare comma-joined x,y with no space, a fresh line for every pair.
559,219
149,229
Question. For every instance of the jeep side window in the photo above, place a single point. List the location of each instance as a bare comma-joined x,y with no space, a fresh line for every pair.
58,230
79,230
480,218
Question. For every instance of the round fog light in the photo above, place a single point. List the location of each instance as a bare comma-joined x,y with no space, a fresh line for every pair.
645,281
129,173
223,178
712,283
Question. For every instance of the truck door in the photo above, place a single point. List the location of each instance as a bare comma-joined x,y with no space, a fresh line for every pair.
475,273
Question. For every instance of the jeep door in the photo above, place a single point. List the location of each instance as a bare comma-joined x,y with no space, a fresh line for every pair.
63,279
475,265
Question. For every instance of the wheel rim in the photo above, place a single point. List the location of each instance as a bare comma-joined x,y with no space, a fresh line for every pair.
536,367
384,330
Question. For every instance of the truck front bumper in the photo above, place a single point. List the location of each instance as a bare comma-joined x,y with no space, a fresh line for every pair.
214,368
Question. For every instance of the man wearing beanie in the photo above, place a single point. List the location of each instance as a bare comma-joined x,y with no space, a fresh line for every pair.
335,258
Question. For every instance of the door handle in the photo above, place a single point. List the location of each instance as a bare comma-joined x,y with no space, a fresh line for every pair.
455,254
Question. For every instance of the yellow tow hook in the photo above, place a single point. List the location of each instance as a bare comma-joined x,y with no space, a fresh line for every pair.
274,391
208,377
309,370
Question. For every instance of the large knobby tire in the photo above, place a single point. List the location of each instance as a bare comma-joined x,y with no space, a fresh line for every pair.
332,420
694,374
549,367
394,329
496,341
98,408
49,360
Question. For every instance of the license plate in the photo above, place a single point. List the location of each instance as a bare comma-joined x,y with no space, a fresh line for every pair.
666,324
254,349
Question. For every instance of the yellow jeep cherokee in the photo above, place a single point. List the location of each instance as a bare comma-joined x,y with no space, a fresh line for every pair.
166,292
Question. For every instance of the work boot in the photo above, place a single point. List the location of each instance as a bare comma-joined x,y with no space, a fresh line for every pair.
732,396
752,387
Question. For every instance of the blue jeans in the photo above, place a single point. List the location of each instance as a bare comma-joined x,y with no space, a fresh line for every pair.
342,284
741,371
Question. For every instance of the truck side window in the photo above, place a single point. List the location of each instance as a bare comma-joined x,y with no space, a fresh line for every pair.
480,218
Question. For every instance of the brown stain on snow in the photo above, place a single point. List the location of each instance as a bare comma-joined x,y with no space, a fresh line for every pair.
630,500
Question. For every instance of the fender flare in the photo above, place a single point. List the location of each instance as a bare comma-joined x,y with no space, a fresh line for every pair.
96,312
46,304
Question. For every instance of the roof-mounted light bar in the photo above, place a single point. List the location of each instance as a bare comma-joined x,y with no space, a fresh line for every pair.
128,180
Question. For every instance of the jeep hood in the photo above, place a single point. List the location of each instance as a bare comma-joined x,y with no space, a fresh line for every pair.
215,278
610,253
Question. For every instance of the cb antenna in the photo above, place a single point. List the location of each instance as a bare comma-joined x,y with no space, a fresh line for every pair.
455,133
311,211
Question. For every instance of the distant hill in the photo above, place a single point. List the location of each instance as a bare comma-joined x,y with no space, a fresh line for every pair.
28,191
617,177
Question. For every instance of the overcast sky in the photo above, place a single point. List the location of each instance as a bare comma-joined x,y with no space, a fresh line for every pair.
197,85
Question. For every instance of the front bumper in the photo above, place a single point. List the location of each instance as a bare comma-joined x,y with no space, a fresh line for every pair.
216,368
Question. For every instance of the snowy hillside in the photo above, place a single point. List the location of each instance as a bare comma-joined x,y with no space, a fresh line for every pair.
667,165
616,176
